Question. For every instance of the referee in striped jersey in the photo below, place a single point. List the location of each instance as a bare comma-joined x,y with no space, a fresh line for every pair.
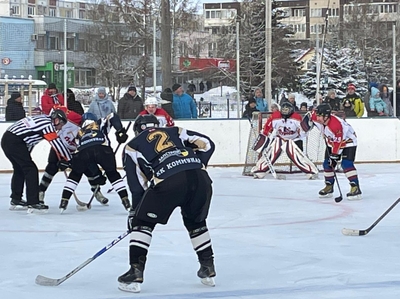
17,144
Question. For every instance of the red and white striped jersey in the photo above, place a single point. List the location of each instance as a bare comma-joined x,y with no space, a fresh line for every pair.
286,128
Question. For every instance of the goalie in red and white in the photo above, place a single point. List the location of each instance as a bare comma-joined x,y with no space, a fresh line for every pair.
289,138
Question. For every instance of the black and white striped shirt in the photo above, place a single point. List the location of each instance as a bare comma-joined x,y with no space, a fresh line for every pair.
33,129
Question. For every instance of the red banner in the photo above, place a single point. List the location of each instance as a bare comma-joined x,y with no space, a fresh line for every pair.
189,64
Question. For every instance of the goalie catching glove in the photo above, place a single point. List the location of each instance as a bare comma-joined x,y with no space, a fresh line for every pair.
121,135
333,160
261,143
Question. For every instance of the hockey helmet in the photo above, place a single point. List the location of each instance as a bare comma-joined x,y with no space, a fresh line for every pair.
287,109
151,101
323,110
88,118
144,122
60,115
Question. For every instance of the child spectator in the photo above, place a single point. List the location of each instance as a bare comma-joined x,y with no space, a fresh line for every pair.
376,103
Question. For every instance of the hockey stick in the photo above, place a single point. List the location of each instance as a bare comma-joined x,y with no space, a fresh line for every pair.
363,232
46,281
272,169
340,197
80,203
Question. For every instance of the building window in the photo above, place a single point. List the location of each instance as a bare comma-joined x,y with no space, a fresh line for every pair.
69,14
84,78
40,42
316,12
53,3
82,14
333,12
71,43
299,12
32,1
213,14
15,9
53,43
207,14
388,8
52,12
299,27
31,10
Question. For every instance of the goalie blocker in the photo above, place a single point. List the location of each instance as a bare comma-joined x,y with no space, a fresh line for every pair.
261,143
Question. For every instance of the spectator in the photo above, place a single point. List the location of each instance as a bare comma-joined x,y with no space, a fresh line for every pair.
101,106
356,102
376,103
303,106
332,100
201,86
209,85
249,109
73,104
50,98
183,104
130,105
15,110
261,103
397,91
292,100
166,101
275,107
385,96
283,99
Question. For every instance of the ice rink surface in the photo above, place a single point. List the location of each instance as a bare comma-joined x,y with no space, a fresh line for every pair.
271,238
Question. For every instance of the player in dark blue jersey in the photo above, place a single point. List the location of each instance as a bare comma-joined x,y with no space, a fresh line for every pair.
93,147
165,168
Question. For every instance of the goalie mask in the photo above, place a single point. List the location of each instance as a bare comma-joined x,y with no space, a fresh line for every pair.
144,122
287,110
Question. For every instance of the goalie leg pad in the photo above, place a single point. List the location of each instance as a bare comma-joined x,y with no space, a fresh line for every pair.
273,152
299,159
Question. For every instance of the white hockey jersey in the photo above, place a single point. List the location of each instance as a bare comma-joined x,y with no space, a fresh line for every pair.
67,134
285,128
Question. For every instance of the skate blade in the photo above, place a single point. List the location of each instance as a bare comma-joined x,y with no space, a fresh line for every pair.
326,196
356,197
36,211
62,210
208,281
133,287
18,208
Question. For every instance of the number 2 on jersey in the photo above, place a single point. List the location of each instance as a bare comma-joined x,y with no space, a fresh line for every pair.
162,138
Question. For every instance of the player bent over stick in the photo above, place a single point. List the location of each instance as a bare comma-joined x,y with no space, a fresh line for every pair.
341,143
165,168
286,124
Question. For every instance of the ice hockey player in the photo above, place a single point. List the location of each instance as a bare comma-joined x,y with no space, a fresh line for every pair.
94,148
151,107
18,142
341,140
286,124
67,134
165,169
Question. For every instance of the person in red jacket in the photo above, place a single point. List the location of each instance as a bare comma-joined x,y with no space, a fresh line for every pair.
151,107
50,98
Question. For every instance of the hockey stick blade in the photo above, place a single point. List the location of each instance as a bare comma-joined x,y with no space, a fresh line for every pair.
338,199
363,232
46,281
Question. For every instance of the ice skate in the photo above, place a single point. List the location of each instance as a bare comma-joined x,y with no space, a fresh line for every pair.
207,272
131,280
327,191
18,204
63,205
101,198
259,175
41,196
126,203
38,208
355,192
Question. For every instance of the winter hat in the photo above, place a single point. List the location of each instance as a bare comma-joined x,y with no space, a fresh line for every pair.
351,86
304,104
101,90
132,88
52,86
15,95
175,87
252,100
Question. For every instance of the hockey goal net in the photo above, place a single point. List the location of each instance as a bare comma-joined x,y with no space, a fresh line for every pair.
313,147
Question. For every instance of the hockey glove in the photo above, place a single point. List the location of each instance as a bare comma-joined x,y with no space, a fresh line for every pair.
121,135
131,220
63,165
306,123
261,143
333,160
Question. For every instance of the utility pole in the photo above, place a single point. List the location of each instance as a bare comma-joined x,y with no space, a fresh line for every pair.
268,54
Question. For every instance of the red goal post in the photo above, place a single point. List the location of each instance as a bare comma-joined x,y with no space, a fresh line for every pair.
313,147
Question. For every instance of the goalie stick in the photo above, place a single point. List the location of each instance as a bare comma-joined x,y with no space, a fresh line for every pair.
46,281
363,232
272,169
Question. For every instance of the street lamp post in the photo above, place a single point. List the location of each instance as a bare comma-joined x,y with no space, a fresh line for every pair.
227,101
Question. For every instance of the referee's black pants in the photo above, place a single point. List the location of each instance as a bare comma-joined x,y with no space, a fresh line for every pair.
25,170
